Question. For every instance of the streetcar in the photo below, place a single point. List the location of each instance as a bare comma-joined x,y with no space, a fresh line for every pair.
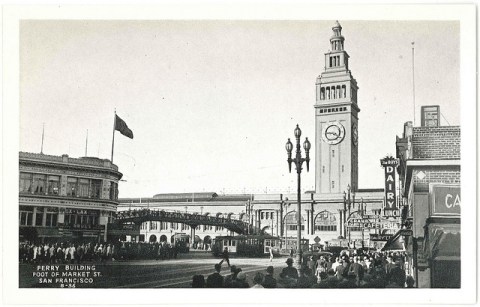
247,245
182,242
291,243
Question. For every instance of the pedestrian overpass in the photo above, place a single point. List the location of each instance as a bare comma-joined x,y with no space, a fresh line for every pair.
193,220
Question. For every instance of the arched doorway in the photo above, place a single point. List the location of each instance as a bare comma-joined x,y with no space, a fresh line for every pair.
152,239
197,242
163,238
207,243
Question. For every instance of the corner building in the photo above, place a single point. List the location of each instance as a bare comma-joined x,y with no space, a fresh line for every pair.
66,199
430,179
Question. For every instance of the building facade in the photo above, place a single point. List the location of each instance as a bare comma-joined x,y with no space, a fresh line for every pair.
430,179
337,212
66,199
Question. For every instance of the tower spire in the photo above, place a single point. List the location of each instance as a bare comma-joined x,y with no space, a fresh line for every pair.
337,39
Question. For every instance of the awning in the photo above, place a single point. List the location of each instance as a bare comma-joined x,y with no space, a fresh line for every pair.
395,243
443,241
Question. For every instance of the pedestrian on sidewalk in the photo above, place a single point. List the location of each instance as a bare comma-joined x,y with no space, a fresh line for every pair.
225,257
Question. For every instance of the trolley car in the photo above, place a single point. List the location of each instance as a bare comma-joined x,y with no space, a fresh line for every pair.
247,245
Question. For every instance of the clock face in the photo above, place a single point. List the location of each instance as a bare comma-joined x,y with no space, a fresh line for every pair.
333,133
354,134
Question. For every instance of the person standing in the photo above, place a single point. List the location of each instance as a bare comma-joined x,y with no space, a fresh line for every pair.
257,280
271,254
289,274
269,281
231,278
225,257
215,280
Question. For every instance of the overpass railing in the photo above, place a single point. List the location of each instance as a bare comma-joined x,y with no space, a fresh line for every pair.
191,219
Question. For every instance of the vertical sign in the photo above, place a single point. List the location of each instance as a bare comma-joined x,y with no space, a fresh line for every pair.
390,164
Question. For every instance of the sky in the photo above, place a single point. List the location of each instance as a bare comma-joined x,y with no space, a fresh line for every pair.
212,103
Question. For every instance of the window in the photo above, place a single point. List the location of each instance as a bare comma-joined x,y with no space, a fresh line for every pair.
333,152
26,182
113,191
343,168
326,227
39,217
77,218
72,186
322,93
96,188
51,219
333,184
323,168
83,187
262,215
26,215
294,227
39,184
153,225
53,185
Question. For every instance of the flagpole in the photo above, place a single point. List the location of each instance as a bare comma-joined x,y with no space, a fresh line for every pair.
86,145
43,133
413,79
113,138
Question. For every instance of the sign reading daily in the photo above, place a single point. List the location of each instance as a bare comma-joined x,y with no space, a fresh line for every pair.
446,200
390,164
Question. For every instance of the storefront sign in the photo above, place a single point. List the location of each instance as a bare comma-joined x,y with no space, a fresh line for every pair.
390,164
379,237
374,224
445,200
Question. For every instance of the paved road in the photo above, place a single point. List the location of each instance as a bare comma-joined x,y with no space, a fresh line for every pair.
175,273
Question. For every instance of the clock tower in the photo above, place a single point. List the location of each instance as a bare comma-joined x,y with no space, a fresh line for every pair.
336,121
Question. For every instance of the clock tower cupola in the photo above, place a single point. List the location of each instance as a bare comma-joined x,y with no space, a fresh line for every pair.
336,121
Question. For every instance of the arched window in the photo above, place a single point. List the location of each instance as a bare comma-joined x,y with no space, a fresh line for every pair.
291,223
325,221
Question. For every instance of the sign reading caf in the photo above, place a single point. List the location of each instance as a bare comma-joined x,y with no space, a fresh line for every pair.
445,200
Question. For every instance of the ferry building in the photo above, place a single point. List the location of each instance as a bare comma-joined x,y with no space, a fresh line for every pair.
336,212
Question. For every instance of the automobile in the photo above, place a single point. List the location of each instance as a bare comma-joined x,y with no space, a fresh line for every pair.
316,254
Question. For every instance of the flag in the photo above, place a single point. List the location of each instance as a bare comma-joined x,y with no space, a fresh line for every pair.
121,126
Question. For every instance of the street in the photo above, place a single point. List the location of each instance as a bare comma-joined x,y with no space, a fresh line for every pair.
174,273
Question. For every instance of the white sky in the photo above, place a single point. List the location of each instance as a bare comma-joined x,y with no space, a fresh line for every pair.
212,103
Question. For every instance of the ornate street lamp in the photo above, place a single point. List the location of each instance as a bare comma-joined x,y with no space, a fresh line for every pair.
348,203
298,160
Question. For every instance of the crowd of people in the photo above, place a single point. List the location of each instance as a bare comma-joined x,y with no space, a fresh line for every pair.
66,252
369,270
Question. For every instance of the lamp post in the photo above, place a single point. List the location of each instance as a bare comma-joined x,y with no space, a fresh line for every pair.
348,199
298,160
